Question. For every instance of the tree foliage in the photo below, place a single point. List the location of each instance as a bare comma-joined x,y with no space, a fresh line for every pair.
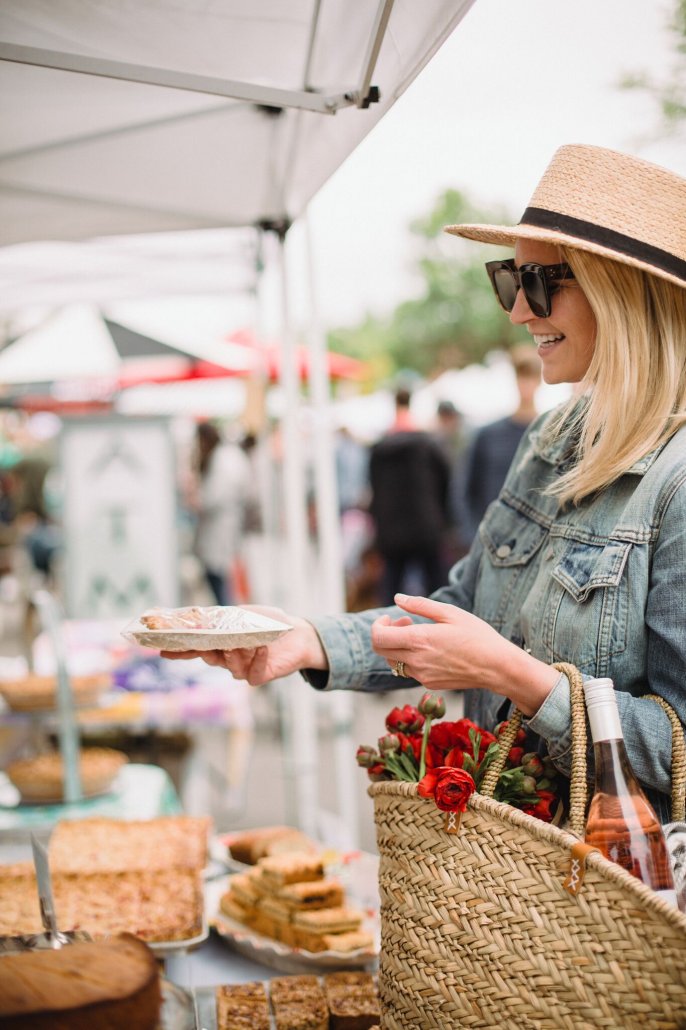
669,91
455,320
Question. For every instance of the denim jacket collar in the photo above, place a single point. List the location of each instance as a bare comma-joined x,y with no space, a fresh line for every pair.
560,450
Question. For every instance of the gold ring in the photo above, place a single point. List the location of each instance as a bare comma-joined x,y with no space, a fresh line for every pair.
398,669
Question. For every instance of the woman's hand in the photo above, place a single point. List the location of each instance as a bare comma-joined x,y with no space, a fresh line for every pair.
300,648
458,651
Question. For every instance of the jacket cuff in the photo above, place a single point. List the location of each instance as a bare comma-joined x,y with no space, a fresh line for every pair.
553,720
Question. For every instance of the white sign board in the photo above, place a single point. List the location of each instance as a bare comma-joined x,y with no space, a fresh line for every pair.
119,517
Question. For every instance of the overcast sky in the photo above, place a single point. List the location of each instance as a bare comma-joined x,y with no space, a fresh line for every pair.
517,79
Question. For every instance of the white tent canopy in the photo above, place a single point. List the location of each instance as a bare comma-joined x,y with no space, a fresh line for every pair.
163,116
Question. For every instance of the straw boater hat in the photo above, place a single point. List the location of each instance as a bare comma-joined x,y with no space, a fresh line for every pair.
608,203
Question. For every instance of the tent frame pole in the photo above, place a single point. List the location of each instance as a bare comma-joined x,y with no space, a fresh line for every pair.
330,569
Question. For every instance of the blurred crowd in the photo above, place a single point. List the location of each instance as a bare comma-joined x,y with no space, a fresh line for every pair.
411,502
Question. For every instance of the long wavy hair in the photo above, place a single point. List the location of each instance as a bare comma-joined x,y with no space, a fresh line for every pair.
635,388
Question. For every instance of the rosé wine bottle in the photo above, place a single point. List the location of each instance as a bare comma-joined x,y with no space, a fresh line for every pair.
621,822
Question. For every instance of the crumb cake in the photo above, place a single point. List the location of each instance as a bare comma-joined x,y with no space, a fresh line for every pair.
242,1007
155,905
83,986
298,1003
41,779
117,845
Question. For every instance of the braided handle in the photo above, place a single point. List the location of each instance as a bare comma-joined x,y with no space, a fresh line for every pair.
505,740
578,785
678,759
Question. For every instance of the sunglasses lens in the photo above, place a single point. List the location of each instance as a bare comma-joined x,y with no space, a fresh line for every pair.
536,294
505,287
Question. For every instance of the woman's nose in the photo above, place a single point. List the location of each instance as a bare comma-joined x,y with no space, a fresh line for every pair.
521,312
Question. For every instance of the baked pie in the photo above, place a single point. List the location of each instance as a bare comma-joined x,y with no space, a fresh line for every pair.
41,779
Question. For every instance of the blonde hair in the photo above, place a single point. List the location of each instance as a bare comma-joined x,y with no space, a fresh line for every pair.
635,386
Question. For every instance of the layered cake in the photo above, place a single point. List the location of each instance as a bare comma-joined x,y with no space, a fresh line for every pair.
99,985
288,898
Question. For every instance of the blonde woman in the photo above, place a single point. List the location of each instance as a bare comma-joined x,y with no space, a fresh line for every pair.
582,558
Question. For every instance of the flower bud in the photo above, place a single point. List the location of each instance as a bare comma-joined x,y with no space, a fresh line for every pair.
389,744
432,705
532,764
528,785
500,727
515,755
377,772
404,720
366,756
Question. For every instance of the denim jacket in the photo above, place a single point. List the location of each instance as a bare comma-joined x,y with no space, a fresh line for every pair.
601,585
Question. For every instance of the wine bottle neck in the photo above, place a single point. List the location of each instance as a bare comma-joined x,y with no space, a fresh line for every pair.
604,721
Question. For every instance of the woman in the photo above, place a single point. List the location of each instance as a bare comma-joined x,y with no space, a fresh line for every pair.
582,558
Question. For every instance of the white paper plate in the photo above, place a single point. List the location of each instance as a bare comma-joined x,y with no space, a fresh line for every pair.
236,628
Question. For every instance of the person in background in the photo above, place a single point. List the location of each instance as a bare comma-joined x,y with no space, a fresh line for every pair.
452,437
224,491
493,446
582,557
409,476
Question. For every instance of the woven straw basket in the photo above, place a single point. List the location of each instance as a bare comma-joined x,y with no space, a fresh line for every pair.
477,929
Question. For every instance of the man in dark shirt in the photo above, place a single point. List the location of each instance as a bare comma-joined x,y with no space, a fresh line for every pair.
493,446
409,477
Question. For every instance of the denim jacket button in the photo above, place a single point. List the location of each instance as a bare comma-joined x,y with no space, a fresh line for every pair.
503,551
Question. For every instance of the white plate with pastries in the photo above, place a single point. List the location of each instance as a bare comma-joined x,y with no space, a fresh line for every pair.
357,874
214,628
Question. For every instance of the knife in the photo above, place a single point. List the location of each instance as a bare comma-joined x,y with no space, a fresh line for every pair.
47,903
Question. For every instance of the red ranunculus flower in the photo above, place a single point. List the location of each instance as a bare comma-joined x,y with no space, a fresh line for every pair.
404,720
450,788
378,772
444,736
453,789
542,808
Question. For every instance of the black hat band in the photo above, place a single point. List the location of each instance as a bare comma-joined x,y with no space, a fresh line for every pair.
540,218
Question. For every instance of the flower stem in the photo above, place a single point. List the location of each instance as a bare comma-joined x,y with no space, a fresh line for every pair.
422,753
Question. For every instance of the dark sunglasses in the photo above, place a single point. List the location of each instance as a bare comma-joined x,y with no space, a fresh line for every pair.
539,282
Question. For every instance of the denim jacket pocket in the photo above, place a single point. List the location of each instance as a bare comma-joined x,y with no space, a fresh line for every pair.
589,622
509,538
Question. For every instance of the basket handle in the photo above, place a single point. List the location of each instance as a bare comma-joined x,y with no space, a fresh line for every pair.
578,783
